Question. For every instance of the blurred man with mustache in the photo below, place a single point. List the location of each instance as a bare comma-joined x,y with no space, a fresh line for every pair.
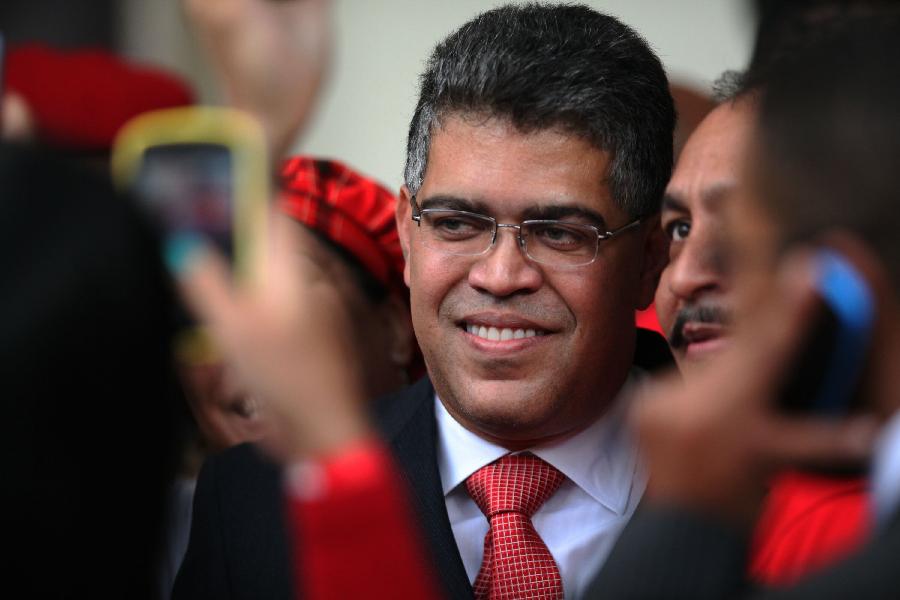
809,520
820,177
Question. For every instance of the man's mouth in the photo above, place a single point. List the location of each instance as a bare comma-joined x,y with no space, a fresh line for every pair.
502,328
699,329
697,333
503,334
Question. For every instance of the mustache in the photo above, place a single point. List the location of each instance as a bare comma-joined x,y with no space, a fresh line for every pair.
696,313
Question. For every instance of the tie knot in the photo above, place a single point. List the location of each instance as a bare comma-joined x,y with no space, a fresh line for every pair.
520,483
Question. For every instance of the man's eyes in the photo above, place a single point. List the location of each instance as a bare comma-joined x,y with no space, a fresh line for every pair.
458,225
678,230
562,237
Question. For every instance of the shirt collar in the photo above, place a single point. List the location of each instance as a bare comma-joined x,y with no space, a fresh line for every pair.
601,460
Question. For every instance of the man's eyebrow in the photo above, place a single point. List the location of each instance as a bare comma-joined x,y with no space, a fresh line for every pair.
449,202
544,212
674,203
564,211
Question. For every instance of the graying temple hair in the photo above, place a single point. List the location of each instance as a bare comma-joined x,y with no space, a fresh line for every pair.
728,87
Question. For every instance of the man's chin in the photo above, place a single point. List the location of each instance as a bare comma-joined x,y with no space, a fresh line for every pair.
504,410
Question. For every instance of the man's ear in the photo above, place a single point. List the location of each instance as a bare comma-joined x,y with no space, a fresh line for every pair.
655,259
404,223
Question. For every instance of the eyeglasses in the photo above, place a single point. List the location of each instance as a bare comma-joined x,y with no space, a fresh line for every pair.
549,242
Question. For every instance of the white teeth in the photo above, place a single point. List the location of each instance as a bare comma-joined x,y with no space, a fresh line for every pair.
501,335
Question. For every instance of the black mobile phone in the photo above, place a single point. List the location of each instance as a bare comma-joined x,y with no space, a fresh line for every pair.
825,378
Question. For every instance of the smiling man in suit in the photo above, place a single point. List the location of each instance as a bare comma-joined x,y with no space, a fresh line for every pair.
537,157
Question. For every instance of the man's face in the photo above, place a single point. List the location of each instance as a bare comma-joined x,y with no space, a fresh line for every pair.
524,390
695,298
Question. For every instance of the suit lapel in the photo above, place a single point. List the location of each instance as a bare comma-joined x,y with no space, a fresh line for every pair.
411,430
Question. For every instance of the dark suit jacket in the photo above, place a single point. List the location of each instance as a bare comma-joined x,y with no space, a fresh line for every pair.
239,547
674,554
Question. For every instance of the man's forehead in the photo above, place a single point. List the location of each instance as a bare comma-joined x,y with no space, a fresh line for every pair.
711,163
491,167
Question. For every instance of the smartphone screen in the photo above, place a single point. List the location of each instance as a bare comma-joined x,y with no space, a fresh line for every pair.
188,188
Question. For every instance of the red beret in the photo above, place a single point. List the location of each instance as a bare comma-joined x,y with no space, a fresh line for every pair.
353,211
79,99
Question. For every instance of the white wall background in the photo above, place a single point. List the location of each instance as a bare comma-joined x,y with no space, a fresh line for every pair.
380,47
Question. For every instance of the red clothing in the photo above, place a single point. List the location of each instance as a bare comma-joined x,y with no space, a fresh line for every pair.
79,99
361,542
647,319
808,522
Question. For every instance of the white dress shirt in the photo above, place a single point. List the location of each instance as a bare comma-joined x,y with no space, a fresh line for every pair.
581,521
886,472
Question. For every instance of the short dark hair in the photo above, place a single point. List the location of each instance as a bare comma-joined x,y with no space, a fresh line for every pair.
556,66
830,137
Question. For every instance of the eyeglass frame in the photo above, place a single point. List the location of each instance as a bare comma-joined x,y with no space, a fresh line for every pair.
602,236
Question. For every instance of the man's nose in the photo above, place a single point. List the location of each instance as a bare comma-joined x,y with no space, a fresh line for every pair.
504,269
699,268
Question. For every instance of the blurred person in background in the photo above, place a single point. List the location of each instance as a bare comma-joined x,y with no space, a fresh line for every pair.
90,437
270,58
348,223
820,173
75,101
345,226
809,520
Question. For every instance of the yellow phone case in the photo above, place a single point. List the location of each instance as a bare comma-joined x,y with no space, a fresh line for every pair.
245,139
236,130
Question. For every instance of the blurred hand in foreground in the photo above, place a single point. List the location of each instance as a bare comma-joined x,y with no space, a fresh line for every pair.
713,443
287,334
270,56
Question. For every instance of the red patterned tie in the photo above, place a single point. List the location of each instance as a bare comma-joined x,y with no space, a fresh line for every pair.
517,563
